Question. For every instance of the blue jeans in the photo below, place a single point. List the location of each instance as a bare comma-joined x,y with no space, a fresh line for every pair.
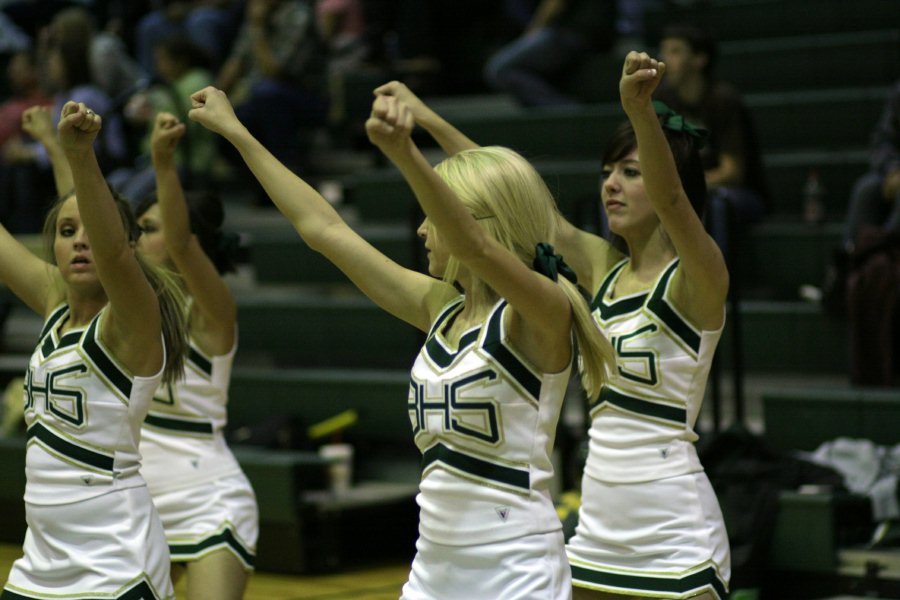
526,66
278,113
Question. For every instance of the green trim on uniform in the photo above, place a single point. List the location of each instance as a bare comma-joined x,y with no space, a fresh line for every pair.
493,345
196,358
54,317
639,405
483,469
441,357
70,339
103,462
445,312
183,552
618,582
141,591
434,350
619,307
661,308
104,363
182,424
49,345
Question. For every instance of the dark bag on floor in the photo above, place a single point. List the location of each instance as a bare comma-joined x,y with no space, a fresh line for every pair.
748,478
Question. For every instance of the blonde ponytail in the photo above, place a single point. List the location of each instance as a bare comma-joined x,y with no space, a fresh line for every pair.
597,358
173,316
513,204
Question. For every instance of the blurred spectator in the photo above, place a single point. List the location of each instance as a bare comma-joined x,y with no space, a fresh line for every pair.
867,269
69,78
560,34
875,199
275,75
24,83
210,24
120,18
731,156
111,67
342,27
25,181
870,240
183,69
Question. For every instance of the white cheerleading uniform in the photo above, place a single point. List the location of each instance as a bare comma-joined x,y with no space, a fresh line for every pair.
485,422
649,523
205,501
92,527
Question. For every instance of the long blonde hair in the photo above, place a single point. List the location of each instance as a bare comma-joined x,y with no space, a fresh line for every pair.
510,200
169,292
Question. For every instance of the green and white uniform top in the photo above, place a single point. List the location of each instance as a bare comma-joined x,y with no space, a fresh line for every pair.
485,422
83,412
183,442
642,426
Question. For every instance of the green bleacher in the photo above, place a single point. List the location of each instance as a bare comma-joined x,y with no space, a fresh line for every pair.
322,330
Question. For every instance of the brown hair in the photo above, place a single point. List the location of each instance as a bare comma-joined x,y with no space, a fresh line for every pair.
164,283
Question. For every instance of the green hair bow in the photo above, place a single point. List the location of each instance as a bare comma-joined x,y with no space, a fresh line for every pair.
548,263
672,120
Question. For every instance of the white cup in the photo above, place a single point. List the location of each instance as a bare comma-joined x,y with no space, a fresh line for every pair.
340,465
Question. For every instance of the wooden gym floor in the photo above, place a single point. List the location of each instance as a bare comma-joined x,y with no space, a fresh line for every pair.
374,583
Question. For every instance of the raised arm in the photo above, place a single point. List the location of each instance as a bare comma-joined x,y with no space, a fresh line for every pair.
215,312
37,122
540,302
702,285
589,255
408,295
132,327
35,282
450,139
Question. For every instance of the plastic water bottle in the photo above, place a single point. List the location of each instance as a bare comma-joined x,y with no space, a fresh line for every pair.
813,198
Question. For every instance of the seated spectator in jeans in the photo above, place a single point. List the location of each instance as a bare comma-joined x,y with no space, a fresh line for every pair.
731,157
871,233
874,199
275,75
560,34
